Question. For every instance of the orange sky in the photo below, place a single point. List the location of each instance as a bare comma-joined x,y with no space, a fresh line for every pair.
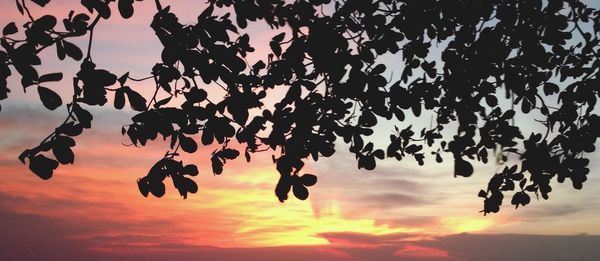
398,210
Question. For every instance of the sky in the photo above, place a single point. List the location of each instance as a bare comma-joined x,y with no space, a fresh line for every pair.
93,209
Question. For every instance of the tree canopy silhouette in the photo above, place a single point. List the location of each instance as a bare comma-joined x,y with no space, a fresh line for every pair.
475,65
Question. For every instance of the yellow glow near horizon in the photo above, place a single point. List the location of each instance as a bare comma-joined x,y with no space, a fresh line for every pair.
306,226
465,224
266,222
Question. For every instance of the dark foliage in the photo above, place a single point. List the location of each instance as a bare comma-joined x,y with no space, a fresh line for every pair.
325,57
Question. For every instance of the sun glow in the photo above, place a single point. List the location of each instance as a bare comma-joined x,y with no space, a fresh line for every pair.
466,224
304,225
269,223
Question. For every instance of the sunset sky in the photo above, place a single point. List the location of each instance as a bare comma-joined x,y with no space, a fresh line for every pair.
93,208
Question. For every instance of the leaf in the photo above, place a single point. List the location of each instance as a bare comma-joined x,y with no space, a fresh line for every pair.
300,191
144,186
517,176
438,158
379,154
136,101
229,153
72,50
70,129
217,165
119,99
60,50
63,154
185,185
20,7
522,183
379,69
508,114
258,66
162,102
46,22
247,156
367,162
126,8
195,95
41,3
282,189
190,169
10,28
187,144
551,88
42,166
308,180
98,5
491,100
482,194
278,38
49,98
192,187
51,77
520,198
206,13
123,78
83,116
157,189
462,168
554,6
207,137
276,48
525,106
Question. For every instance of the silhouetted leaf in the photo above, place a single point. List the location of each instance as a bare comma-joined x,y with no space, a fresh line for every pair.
520,198
229,153
119,99
46,22
72,50
276,48
136,101
491,100
187,144
308,180
550,88
20,7
123,79
42,166
62,149
83,116
41,3
482,194
60,50
462,168
162,102
70,129
51,77
278,38
126,8
191,170
9,29
157,189
217,165
144,186
206,13
300,191
49,98
282,189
